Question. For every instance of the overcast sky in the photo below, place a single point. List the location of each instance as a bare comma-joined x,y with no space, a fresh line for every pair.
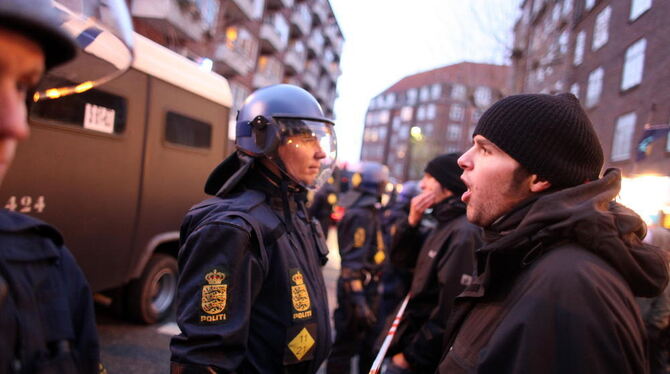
387,40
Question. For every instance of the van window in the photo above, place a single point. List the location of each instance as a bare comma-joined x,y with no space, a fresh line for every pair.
94,110
183,130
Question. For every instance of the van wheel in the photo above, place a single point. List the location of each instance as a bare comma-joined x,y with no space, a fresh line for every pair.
150,298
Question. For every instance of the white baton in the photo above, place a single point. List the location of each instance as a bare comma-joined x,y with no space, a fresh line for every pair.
377,364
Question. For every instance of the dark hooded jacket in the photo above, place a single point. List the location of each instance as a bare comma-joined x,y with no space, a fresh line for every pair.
251,296
444,267
555,288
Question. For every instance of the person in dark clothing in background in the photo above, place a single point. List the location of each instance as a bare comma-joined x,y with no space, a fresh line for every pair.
396,280
442,268
251,296
321,206
47,318
656,311
363,254
556,279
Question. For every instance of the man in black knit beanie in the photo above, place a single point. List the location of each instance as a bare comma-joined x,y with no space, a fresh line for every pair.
562,262
443,263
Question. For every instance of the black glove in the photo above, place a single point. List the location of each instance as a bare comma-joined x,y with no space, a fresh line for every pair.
362,313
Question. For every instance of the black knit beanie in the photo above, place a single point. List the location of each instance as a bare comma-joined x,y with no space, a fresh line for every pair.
445,169
549,135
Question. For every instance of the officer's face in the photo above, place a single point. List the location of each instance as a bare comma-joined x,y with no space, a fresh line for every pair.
21,67
302,155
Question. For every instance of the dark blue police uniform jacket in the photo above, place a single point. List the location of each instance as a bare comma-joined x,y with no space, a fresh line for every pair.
47,320
251,296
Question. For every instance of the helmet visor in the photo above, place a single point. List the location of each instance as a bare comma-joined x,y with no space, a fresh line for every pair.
102,31
308,150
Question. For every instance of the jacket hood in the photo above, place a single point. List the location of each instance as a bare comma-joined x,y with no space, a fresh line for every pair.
587,215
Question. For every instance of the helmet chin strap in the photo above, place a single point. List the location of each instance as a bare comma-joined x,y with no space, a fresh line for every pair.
277,166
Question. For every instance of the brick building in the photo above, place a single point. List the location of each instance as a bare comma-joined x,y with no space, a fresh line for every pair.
429,113
253,43
612,54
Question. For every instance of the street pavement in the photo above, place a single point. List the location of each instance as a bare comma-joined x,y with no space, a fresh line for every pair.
128,348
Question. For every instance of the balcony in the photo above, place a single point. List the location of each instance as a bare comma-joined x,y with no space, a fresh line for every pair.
280,3
231,60
270,36
334,71
190,19
295,58
310,80
301,19
268,72
315,43
321,12
336,44
245,7
292,80
323,91
327,58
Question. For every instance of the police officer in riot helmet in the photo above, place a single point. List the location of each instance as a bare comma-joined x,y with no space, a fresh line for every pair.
363,254
251,296
47,321
396,280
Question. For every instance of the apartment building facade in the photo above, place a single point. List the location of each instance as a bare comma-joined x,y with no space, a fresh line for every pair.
253,43
430,113
614,56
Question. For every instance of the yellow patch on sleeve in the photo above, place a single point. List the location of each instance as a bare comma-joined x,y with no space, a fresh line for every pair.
214,296
301,344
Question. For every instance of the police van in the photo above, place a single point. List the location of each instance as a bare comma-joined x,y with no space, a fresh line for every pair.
115,169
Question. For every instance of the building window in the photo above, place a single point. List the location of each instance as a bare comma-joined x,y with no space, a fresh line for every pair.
436,91
396,123
430,111
600,30
421,113
390,99
563,42
482,96
574,89
567,7
384,116
93,110
556,12
369,118
183,130
453,131
623,135
588,4
580,42
458,91
406,113
424,94
241,41
411,96
456,112
476,115
637,7
633,67
594,87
